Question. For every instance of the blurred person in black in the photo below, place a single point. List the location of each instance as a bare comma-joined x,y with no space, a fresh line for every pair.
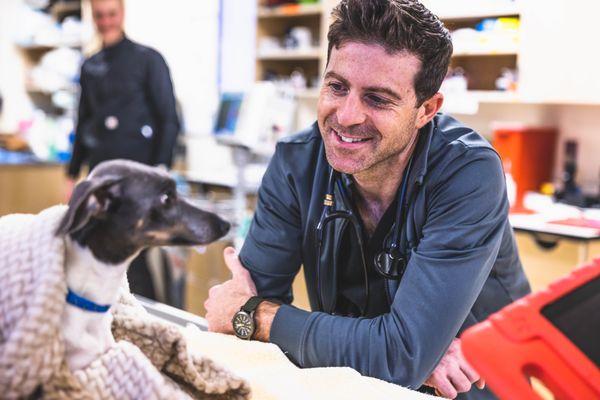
126,110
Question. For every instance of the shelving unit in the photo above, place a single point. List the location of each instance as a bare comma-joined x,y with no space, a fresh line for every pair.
62,8
486,53
32,89
482,65
33,53
274,23
308,94
283,55
451,11
290,10
495,96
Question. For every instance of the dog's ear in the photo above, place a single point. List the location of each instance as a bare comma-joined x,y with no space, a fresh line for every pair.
90,198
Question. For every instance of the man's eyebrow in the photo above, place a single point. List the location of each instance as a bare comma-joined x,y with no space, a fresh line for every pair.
376,89
389,92
340,78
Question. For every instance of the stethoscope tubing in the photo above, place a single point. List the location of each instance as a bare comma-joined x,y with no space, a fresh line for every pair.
393,252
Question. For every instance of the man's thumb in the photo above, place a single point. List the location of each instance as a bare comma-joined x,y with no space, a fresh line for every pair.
233,262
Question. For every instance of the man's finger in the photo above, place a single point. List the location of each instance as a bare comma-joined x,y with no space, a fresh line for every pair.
460,381
469,371
444,388
233,262
473,376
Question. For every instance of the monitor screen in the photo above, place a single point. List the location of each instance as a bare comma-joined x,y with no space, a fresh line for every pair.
577,316
228,114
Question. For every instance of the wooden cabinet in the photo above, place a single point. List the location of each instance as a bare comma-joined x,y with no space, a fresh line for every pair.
545,264
31,188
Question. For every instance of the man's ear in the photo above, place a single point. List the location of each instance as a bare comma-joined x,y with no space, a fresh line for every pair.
90,198
428,109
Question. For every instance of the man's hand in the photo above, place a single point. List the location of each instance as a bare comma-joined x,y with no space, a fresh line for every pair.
226,299
453,374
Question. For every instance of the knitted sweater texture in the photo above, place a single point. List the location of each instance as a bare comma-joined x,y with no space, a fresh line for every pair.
150,359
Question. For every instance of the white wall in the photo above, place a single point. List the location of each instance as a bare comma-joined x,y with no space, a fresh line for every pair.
239,45
17,105
186,34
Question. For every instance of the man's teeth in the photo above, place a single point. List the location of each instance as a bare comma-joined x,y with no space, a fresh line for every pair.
349,140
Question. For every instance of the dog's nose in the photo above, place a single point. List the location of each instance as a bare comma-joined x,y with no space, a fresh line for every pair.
224,226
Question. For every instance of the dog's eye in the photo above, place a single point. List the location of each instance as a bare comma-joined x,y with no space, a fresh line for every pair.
166,199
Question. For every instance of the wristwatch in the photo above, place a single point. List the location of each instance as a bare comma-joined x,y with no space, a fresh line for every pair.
243,321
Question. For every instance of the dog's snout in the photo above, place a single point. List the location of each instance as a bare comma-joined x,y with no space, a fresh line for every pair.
224,226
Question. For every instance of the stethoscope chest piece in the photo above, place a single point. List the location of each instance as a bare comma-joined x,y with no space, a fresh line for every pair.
390,264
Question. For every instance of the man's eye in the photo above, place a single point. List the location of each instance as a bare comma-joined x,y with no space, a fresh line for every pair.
376,100
336,87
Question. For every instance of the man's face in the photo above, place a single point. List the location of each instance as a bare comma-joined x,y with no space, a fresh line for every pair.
108,17
367,110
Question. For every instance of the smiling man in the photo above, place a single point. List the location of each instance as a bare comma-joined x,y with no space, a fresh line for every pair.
398,213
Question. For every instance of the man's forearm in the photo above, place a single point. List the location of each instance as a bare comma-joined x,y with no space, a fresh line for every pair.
264,316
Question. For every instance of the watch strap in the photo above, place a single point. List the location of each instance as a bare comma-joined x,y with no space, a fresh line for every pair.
252,304
274,300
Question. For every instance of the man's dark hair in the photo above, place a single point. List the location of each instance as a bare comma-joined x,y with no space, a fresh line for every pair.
397,26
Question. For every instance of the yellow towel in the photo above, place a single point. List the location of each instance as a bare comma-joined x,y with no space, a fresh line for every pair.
273,377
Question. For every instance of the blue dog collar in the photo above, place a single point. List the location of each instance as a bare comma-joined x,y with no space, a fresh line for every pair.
84,303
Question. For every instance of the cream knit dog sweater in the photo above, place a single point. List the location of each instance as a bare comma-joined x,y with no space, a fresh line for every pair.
149,361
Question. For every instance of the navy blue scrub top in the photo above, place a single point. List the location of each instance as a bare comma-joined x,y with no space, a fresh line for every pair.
463,262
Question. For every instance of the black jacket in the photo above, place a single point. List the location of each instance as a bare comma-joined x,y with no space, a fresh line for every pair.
127,108
463,262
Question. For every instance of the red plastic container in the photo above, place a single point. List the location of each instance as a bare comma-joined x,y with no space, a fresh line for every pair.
527,154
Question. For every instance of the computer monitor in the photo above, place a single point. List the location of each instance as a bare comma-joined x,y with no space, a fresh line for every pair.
256,119
228,113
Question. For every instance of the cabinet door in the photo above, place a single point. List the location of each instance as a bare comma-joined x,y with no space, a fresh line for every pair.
559,60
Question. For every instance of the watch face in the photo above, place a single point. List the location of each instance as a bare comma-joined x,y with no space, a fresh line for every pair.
243,325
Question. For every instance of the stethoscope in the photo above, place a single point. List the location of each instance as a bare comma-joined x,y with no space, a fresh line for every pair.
391,261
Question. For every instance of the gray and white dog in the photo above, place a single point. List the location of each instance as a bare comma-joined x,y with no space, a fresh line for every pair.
122,208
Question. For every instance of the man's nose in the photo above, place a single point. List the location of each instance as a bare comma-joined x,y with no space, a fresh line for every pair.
350,111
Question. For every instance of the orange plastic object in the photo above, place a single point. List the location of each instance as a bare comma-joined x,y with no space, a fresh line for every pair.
528,154
521,341
289,9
